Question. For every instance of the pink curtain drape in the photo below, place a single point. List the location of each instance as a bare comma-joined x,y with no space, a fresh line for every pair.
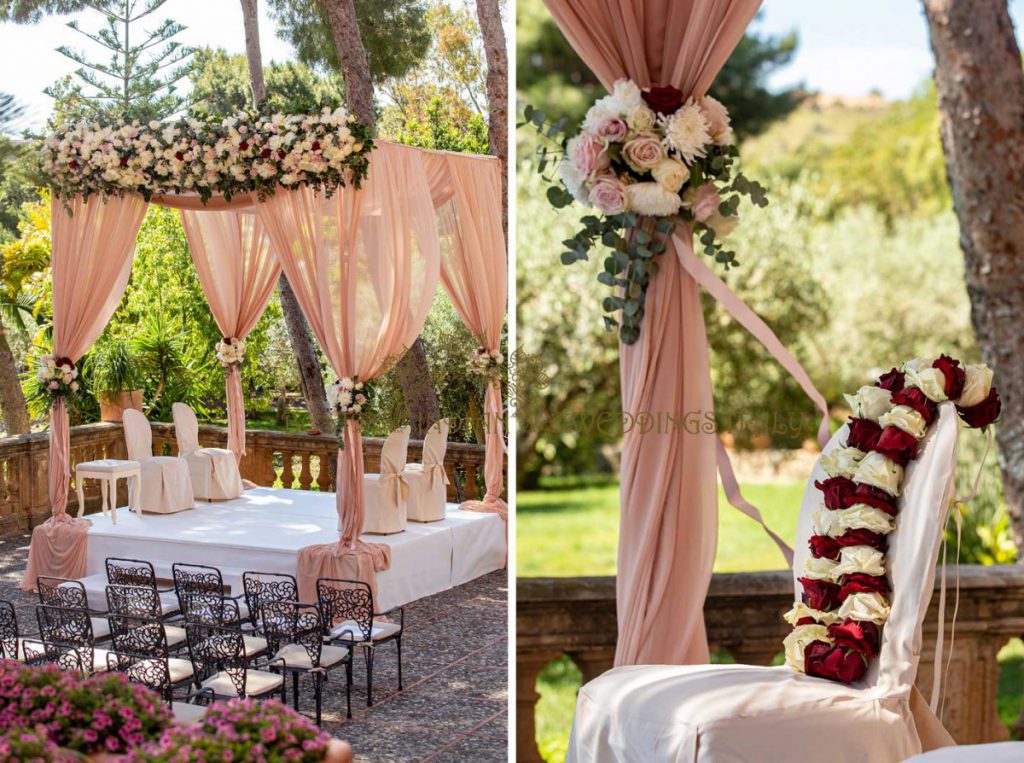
92,244
668,525
364,265
466,190
237,271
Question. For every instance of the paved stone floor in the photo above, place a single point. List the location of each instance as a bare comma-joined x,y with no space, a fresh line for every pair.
454,667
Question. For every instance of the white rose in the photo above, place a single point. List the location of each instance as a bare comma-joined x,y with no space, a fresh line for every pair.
819,569
916,364
671,174
977,385
357,408
345,398
571,178
823,520
860,516
870,402
800,610
906,418
867,607
842,462
74,386
641,119
881,472
795,643
863,559
931,381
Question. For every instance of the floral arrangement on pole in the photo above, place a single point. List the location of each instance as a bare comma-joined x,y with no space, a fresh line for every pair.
58,377
231,352
244,153
487,363
348,397
648,161
837,624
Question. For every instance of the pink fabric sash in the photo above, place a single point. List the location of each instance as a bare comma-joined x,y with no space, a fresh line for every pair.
236,412
361,561
493,478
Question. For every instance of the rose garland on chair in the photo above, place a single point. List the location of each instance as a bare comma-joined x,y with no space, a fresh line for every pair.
837,625
348,397
648,161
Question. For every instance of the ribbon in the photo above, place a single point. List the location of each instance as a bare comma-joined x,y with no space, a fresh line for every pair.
761,331
396,482
957,505
431,471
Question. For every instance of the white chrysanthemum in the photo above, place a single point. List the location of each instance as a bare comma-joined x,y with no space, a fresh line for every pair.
571,178
625,97
599,112
686,132
652,200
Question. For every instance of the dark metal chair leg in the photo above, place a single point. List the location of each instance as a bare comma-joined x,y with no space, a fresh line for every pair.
348,687
295,688
368,656
318,692
398,643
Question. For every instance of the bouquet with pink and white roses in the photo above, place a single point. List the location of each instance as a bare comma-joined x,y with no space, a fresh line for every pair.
487,363
231,351
348,397
648,161
57,377
243,153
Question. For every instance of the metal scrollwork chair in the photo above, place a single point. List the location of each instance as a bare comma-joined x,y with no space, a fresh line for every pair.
140,651
348,613
12,645
143,601
219,662
63,592
137,572
261,587
295,634
211,608
66,633
201,578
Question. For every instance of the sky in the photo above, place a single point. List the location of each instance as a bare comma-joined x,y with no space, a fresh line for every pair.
847,47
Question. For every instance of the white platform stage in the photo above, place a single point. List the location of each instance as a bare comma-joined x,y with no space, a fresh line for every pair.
265,528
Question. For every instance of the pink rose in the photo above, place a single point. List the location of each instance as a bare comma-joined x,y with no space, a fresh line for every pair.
703,201
608,195
643,152
588,155
612,129
54,385
718,119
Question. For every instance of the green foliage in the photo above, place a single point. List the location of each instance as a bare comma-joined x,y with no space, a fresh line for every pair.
113,368
221,86
394,33
439,130
139,80
986,536
551,76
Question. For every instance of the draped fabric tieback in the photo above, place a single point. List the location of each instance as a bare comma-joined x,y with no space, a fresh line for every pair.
396,483
435,472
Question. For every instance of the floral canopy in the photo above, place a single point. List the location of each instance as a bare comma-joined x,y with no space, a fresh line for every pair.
364,231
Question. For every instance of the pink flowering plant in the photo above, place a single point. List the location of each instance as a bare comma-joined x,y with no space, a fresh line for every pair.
648,161
33,697
239,730
28,745
244,153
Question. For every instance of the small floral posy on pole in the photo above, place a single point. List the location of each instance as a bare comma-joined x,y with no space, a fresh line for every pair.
348,397
487,363
231,352
647,161
58,377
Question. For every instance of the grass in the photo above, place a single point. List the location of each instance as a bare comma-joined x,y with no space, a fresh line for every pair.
573,531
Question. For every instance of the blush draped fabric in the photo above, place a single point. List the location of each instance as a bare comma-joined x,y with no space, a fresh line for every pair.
92,247
364,265
668,524
475,276
237,271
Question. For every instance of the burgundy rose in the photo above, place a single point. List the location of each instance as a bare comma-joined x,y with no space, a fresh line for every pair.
316,145
124,161
914,398
872,496
73,164
891,380
244,145
664,100
984,413
282,154
833,662
806,621
862,637
820,594
861,582
897,445
836,491
863,434
861,537
823,547
955,375
179,156
265,153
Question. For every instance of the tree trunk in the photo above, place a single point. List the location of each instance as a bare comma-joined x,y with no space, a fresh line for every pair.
413,370
497,91
981,102
306,358
12,399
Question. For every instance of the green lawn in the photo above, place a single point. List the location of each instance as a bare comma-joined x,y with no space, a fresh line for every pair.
573,531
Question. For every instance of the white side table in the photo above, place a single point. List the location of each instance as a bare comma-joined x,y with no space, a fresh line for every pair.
108,472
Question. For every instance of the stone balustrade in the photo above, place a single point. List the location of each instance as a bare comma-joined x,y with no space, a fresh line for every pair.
290,459
743,613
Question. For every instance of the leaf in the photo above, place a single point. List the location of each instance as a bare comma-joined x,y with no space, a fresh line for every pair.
568,258
641,236
629,334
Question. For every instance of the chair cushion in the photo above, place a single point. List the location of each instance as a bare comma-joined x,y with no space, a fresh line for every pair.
100,627
187,714
295,656
174,635
169,603
179,670
381,630
254,645
257,683
29,649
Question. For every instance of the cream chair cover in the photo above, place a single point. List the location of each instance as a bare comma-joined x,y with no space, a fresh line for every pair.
166,487
743,713
428,482
386,494
214,471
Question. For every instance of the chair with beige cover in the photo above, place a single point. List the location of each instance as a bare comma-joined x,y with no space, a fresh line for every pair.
736,712
166,487
428,482
386,494
214,471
